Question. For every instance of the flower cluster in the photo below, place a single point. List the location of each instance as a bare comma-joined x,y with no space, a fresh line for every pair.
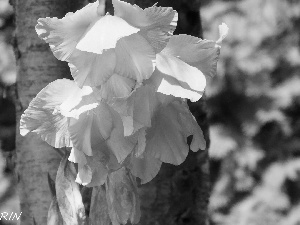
125,112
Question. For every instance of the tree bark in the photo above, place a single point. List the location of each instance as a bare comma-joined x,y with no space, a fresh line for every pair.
37,67
179,194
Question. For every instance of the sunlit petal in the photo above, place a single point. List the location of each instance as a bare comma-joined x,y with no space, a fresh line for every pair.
42,115
202,54
180,70
63,34
104,34
170,86
135,58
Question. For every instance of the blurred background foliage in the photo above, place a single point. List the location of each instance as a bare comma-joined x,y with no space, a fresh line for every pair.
254,112
8,198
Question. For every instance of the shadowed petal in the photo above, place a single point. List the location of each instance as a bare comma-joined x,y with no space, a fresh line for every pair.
167,138
92,69
202,54
137,109
122,197
117,87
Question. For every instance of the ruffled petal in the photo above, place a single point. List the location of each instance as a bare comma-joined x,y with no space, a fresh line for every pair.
122,198
117,87
104,34
41,116
135,58
202,54
175,77
63,34
223,32
92,69
157,24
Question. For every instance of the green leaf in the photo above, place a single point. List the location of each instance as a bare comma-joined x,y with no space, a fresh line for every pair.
68,194
99,209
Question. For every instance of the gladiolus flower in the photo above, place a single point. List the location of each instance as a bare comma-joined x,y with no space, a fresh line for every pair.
101,48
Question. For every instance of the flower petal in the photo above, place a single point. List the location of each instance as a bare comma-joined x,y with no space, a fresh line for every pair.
98,162
104,34
96,126
202,54
165,139
77,156
122,197
91,128
117,87
40,116
63,34
146,167
99,176
190,126
119,145
92,69
136,110
156,23
84,175
135,58
188,81
170,86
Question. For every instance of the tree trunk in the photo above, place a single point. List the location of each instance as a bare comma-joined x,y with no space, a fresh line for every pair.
179,194
37,67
